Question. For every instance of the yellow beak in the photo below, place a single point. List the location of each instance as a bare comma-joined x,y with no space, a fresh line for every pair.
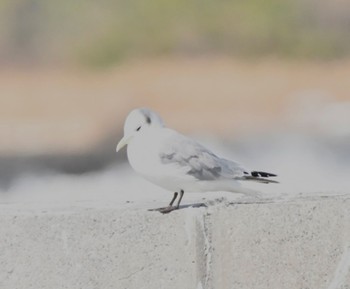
123,142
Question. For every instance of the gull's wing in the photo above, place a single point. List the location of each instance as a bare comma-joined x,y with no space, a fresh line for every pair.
196,160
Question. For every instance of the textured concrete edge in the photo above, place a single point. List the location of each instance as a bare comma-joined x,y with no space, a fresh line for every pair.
192,248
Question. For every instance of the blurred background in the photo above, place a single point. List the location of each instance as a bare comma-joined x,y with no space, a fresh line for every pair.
263,82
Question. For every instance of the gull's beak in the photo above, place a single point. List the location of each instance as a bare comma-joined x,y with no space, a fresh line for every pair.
123,142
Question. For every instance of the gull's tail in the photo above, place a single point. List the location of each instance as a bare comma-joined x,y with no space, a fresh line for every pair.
260,177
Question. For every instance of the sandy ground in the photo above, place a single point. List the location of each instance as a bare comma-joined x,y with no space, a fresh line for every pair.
59,111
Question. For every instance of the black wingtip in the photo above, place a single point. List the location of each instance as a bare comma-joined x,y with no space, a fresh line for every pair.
262,174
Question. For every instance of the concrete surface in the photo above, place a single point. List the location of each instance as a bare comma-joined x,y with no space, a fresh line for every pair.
292,244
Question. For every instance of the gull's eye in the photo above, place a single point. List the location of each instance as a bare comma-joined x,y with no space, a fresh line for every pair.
138,128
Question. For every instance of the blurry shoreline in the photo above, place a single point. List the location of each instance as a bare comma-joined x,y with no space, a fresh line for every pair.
47,110
68,121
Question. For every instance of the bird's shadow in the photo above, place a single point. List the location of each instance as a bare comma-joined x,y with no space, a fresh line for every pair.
195,205
222,201
164,211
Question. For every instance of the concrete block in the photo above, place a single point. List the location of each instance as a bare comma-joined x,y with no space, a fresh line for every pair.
303,244
292,244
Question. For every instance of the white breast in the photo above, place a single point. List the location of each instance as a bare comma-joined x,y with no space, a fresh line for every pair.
144,158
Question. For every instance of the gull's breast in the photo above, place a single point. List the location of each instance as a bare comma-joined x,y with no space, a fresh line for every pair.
144,158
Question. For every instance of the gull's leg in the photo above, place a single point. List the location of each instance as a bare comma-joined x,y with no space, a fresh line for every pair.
168,207
179,201
174,198
171,207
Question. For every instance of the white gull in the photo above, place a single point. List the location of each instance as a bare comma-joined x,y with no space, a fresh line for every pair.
178,163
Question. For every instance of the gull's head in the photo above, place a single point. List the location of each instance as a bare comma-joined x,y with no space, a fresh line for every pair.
138,121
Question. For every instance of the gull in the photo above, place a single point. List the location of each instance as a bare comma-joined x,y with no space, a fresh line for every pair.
178,163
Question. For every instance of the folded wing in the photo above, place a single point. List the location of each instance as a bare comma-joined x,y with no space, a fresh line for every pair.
196,160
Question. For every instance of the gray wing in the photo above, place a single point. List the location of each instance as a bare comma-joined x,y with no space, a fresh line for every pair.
198,161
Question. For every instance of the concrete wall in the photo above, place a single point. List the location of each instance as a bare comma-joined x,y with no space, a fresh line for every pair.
302,243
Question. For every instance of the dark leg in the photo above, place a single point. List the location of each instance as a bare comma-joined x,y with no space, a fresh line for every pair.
179,201
171,207
174,198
